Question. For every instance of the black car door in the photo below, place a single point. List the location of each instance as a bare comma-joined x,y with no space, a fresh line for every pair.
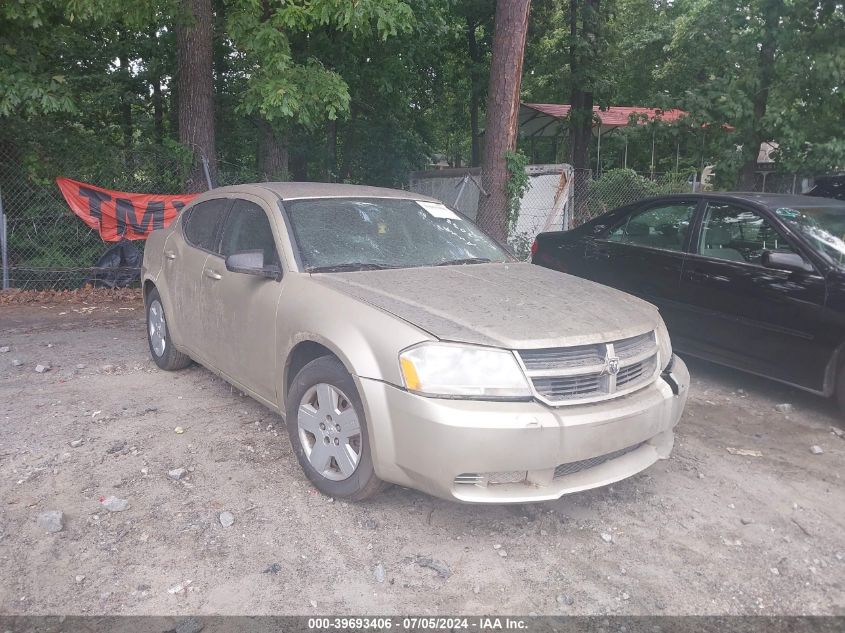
743,313
643,253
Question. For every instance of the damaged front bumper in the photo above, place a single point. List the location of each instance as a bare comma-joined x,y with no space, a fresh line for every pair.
494,452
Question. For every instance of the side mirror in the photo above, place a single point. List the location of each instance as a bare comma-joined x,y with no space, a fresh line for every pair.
252,263
792,262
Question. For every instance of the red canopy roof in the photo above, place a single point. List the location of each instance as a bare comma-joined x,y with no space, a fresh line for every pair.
543,118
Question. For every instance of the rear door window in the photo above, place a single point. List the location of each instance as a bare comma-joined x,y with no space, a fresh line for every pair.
201,225
664,226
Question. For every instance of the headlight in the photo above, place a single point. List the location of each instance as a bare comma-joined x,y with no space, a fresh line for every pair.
443,369
664,344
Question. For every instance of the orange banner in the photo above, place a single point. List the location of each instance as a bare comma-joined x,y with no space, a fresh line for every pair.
118,215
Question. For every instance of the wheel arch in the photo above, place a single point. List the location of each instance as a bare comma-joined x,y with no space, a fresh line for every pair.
302,353
147,288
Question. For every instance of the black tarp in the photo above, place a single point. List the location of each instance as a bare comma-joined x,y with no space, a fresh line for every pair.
118,267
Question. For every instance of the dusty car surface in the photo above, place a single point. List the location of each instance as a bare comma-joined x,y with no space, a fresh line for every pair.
403,345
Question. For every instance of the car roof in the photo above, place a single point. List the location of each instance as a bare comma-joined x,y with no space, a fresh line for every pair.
294,190
764,199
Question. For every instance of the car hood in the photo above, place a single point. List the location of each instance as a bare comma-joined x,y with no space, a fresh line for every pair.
504,305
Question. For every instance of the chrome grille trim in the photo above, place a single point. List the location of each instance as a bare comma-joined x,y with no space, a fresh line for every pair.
635,346
582,374
553,358
491,479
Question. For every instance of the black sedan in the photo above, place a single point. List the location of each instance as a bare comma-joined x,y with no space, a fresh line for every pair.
752,281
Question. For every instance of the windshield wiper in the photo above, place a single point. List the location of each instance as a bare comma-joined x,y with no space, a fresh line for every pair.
349,267
466,260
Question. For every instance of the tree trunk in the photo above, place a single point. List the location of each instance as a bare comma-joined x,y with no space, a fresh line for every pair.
331,151
502,112
196,89
474,92
158,112
173,111
350,144
272,153
125,102
583,55
760,100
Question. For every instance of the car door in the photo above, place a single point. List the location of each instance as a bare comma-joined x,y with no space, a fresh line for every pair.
239,310
643,253
742,312
185,254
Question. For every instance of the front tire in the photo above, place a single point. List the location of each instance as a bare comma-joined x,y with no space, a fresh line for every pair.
165,355
328,431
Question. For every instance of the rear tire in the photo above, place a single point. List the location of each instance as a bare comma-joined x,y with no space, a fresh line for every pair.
328,431
165,355
840,390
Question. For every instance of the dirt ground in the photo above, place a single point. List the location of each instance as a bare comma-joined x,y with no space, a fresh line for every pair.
706,532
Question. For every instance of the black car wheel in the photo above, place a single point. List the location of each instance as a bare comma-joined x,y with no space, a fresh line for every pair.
165,355
840,389
328,431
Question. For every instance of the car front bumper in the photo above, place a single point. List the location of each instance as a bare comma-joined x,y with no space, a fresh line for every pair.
498,452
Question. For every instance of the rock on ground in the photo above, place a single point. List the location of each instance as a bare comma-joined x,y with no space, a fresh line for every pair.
177,473
52,520
439,566
379,573
115,504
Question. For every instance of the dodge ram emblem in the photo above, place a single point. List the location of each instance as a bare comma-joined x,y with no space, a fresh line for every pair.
611,365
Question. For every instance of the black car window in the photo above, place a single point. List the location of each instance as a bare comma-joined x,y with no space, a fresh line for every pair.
738,234
248,229
665,226
202,221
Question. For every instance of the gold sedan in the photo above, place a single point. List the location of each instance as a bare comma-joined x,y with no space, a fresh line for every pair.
404,345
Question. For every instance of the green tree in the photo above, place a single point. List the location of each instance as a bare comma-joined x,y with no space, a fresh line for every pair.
772,69
285,85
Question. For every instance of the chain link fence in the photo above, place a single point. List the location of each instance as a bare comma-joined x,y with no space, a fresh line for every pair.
44,245
558,197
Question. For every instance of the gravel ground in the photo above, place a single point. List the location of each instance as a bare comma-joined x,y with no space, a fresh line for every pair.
705,532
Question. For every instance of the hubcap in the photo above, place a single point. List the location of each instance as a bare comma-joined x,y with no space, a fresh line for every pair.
329,431
157,328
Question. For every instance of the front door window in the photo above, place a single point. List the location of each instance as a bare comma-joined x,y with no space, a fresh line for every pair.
737,234
248,229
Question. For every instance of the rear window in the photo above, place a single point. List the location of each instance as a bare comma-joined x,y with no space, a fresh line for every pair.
202,222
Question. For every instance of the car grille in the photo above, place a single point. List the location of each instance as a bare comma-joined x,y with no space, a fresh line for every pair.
589,373
573,467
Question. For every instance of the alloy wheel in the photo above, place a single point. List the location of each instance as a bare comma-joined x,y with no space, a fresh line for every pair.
157,327
329,431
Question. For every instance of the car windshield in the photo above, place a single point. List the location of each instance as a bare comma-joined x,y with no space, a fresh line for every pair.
823,224
343,234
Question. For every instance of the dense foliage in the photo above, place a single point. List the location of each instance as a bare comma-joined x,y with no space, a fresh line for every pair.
367,91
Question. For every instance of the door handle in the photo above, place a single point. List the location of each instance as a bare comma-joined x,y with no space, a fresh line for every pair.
170,254
597,252
700,275
211,274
